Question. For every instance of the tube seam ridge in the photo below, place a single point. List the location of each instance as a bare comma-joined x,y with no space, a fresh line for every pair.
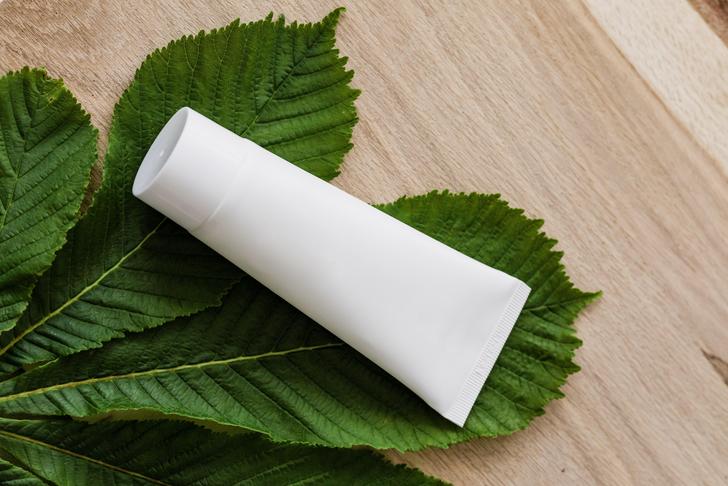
470,390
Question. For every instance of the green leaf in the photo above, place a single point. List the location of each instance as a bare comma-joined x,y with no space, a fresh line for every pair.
176,453
258,363
12,475
127,268
47,148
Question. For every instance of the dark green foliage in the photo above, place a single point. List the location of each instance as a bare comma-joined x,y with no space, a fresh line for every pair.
255,362
70,453
12,475
127,268
47,148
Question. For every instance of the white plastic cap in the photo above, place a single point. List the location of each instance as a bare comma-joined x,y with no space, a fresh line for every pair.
189,168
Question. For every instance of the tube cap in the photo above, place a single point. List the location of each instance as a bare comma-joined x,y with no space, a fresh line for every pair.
189,168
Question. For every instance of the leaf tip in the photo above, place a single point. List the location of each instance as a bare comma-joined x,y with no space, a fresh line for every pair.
333,17
591,297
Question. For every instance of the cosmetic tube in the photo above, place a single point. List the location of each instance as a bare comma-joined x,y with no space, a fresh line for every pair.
432,317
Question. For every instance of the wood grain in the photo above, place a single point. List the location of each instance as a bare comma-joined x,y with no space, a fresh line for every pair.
681,59
536,101
715,13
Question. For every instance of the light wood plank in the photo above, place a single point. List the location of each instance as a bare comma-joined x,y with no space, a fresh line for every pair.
534,100
680,57
715,13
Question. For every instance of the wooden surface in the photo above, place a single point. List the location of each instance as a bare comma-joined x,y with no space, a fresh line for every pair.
562,108
715,13
673,49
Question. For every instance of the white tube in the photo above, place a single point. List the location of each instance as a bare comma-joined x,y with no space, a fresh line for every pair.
433,318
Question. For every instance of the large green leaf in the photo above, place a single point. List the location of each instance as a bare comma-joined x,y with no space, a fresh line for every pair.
125,267
175,453
47,148
258,363
12,475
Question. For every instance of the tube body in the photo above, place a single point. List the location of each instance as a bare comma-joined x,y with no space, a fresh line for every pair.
430,316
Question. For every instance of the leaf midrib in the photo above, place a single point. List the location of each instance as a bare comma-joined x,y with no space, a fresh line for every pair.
285,79
170,370
82,292
586,298
17,170
45,445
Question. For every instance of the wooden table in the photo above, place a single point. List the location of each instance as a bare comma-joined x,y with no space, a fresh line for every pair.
609,119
